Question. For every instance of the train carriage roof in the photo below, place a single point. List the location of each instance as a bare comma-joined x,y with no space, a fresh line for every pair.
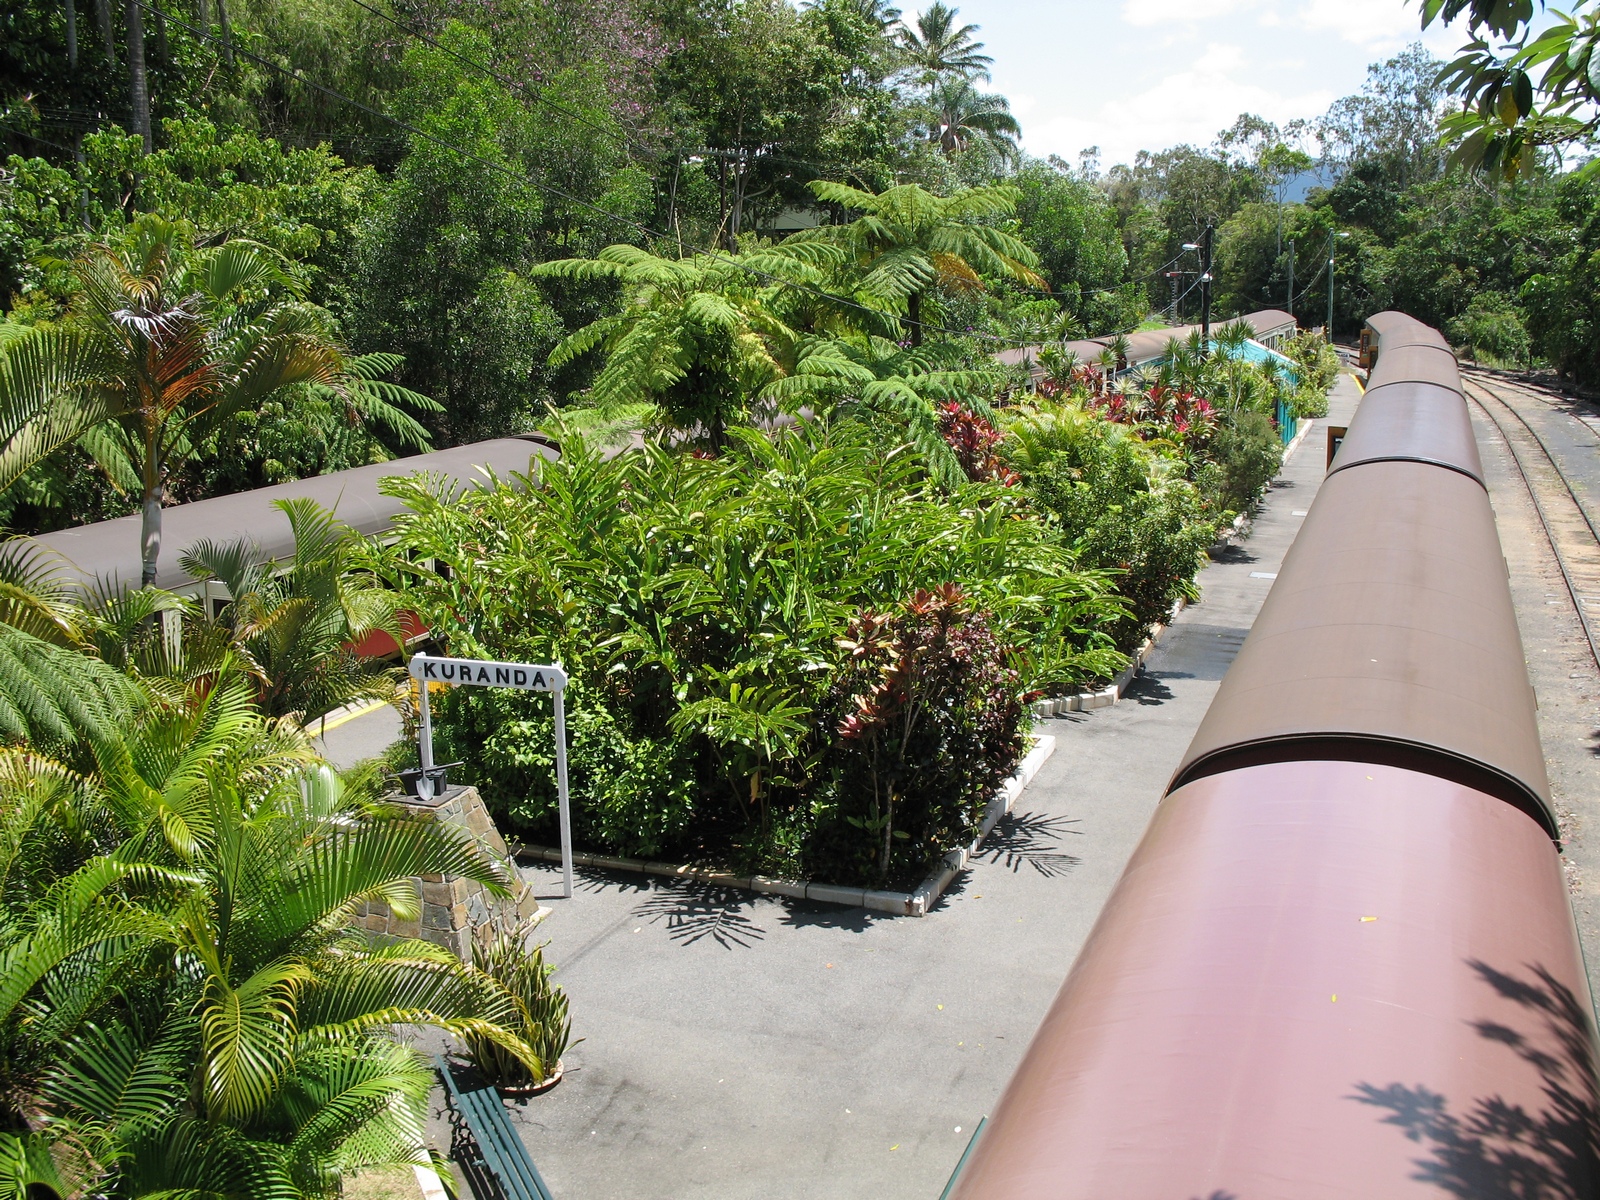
1148,345
109,550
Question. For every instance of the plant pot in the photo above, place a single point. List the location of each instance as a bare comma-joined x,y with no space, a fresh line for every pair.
533,1089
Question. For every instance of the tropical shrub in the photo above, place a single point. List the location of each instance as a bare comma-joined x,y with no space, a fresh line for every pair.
1317,366
187,1008
975,442
1119,503
929,721
1249,453
297,626
700,604
539,1012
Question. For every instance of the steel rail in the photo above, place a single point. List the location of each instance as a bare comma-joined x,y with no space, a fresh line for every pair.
1538,506
1535,394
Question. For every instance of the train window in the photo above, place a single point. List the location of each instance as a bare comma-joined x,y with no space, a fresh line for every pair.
1335,440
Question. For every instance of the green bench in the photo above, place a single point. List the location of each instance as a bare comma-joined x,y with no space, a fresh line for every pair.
502,1170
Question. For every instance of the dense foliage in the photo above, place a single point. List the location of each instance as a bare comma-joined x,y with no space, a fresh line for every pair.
807,555
188,1008
809,652
700,606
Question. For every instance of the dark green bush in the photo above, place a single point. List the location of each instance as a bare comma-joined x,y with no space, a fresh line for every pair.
1122,507
639,788
1250,454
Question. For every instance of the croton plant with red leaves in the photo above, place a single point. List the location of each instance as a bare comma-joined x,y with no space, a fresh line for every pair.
929,717
976,444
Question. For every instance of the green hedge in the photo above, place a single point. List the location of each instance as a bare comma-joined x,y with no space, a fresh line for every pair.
784,658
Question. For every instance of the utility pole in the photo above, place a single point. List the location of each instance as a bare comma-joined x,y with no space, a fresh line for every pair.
1205,283
1331,236
72,34
1288,302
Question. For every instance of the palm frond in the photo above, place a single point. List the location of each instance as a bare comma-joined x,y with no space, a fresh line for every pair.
51,393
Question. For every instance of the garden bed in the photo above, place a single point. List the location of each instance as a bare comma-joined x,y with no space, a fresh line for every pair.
900,904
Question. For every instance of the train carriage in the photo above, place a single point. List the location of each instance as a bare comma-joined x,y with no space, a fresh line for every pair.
107,552
1342,961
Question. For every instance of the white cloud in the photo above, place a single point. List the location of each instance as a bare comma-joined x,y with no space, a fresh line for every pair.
1188,105
1218,58
1150,74
1379,25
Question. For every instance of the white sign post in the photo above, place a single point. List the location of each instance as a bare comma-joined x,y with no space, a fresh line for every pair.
527,677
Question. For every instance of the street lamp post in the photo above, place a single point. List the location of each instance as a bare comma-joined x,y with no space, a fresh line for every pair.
1205,285
1188,246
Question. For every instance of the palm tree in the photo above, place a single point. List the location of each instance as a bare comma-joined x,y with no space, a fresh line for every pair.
879,13
909,240
697,338
298,624
936,47
186,1008
963,115
164,343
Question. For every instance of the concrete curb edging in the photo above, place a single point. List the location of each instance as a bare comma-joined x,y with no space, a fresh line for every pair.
1112,692
921,900
899,904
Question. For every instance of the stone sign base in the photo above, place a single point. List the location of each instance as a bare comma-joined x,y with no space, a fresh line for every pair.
456,912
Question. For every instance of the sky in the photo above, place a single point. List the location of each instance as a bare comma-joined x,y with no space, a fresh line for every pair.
1126,75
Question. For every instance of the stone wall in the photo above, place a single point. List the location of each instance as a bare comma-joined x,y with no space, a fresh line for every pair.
456,911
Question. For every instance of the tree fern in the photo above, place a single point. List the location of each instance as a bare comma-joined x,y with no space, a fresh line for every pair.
908,240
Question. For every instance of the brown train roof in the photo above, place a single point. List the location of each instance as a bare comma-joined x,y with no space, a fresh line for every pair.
1419,422
1390,632
1311,977
1402,329
1415,363
110,549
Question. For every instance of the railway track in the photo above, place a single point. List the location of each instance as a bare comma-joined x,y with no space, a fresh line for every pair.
1569,527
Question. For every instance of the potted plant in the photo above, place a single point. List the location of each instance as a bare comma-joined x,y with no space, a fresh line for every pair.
540,1016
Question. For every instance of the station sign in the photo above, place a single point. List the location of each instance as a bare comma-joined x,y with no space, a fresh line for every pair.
529,677
429,669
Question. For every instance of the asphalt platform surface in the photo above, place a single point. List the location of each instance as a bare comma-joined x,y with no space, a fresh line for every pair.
740,1046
